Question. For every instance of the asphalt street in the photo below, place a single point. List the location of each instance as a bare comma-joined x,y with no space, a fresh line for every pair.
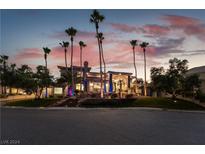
101,126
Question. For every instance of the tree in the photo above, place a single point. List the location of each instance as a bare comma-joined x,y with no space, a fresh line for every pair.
24,79
71,32
97,18
12,76
42,79
82,45
191,84
134,44
64,79
158,79
65,46
4,74
46,52
101,38
144,45
176,74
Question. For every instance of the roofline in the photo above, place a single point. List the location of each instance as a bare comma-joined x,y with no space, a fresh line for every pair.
124,73
70,67
196,70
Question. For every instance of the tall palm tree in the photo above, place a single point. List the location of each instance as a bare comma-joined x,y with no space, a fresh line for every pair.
46,51
71,33
82,45
3,60
65,46
144,45
97,18
134,44
101,38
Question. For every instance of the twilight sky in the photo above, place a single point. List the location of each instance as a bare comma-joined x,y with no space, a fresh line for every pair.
171,33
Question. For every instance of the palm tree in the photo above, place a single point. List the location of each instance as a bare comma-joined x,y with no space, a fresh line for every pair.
97,18
65,46
82,45
71,32
134,44
101,38
46,51
3,60
144,45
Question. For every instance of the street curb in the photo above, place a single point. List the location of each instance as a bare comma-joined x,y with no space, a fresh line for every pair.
84,109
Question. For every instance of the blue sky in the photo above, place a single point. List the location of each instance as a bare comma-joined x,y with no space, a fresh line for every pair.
171,33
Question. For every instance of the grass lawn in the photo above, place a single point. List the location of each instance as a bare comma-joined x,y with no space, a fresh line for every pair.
167,103
164,103
33,102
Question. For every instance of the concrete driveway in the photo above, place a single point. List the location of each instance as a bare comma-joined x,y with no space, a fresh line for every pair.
101,126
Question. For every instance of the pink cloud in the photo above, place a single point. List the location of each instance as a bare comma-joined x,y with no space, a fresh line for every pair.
155,30
124,27
28,53
181,21
190,26
90,53
151,29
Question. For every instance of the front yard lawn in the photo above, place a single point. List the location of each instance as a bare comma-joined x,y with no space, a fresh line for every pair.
168,103
164,103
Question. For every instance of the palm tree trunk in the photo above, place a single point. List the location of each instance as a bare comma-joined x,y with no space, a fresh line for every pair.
135,68
145,83
104,66
101,81
72,64
134,64
46,83
81,70
66,65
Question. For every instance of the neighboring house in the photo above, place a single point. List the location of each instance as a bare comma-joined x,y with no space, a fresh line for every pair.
114,83
201,72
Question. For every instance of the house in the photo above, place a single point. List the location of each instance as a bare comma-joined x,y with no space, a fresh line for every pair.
113,82
201,72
